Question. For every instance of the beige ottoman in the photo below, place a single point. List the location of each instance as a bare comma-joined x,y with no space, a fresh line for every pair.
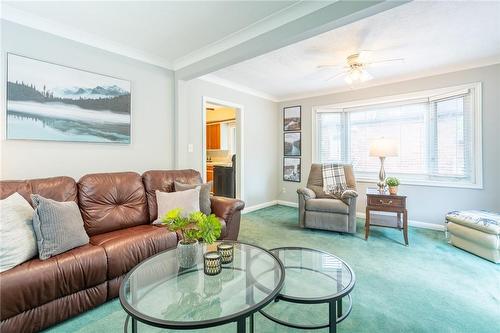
475,231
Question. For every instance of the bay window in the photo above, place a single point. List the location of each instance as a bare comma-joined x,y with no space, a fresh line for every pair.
438,133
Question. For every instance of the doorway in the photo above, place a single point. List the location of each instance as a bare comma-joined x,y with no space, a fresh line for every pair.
222,147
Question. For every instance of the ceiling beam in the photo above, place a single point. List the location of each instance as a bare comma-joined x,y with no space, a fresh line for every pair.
325,19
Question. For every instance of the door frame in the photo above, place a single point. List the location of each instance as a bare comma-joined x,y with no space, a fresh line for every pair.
239,141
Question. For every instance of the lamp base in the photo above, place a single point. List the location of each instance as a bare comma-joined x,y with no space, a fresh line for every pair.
381,176
381,187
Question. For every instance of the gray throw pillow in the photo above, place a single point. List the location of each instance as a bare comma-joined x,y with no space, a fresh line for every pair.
58,226
204,194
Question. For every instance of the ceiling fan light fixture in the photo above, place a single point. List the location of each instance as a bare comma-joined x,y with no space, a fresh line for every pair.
348,79
355,74
365,76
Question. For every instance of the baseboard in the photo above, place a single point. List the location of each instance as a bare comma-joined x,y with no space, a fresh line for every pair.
413,223
287,203
259,206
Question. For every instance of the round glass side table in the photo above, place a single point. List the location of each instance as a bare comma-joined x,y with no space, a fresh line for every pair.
311,277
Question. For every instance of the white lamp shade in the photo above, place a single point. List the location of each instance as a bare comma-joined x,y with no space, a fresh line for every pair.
383,148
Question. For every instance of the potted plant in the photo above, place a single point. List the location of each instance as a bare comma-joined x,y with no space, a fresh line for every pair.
393,184
193,227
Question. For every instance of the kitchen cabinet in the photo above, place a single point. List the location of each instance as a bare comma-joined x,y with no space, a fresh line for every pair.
221,136
213,136
210,175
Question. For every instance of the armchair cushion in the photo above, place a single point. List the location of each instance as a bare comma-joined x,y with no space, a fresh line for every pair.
327,205
307,193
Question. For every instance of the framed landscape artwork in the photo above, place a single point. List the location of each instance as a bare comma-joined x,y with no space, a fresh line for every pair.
291,169
57,103
292,143
292,118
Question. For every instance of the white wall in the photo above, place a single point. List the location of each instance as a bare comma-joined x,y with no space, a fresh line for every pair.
259,136
152,112
426,204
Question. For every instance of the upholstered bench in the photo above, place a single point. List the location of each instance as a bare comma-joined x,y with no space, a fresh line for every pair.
475,231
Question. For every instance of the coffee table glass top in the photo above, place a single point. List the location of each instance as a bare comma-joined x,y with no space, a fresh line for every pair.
160,293
313,275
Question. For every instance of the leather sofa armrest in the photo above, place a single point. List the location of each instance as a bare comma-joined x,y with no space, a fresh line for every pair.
307,193
230,211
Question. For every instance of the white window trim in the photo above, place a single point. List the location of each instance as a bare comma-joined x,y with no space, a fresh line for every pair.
478,129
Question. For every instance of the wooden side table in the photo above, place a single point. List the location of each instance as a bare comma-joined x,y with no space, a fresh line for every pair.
385,202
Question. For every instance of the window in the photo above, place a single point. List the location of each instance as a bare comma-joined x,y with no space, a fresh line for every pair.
438,133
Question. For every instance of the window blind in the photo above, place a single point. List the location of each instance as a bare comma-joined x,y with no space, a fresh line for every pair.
435,137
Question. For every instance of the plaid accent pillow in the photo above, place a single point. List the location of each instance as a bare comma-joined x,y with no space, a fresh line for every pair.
333,179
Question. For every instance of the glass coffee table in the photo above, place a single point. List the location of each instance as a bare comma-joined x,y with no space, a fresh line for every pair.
316,283
159,293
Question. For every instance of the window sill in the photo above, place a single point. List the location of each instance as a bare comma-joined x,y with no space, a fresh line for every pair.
425,183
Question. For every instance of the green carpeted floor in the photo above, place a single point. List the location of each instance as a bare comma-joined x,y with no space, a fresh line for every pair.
429,286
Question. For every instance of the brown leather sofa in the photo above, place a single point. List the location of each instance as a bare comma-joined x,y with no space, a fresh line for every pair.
117,210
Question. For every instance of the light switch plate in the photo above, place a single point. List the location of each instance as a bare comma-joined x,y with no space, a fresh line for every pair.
190,148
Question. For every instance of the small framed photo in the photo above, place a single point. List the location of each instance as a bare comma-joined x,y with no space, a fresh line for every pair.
292,118
292,144
291,169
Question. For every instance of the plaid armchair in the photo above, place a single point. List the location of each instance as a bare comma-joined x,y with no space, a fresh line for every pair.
319,210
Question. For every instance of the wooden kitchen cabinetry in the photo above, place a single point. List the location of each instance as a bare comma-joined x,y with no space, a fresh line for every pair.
210,175
213,136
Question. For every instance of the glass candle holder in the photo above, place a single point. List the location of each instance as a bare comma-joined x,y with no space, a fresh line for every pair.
212,263
226,251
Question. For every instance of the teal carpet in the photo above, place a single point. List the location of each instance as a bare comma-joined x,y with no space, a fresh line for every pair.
429,286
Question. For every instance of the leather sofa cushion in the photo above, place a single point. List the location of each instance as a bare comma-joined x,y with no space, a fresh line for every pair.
37,282
55,188
163,180
112,201
36,319
127,247
327,205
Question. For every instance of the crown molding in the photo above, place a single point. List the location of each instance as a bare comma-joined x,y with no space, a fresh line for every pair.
276,19
268,23
24,18
370,84
238,87
213,78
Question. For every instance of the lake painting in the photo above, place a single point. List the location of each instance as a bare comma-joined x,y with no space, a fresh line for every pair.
57,103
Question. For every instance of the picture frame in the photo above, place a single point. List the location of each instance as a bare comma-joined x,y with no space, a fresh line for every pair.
51,102
292,118
292,169
292,144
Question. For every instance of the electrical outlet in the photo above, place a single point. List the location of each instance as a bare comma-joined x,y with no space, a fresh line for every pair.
283,190
190,148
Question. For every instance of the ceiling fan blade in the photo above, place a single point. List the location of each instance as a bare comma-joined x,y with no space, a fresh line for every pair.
337,75
384,61
328,66
365,55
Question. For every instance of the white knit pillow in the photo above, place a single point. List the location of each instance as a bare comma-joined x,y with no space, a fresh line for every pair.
17,237
188,201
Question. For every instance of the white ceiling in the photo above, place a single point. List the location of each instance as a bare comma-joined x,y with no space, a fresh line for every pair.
432,37
173,34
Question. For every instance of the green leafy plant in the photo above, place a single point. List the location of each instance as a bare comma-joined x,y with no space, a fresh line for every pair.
194,226
392,181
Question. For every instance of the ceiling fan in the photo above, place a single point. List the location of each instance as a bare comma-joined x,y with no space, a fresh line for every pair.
356,68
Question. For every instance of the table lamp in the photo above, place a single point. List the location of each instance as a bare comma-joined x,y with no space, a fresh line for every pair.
383,148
